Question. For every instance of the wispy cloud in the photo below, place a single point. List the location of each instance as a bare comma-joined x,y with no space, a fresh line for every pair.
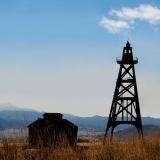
126,17
148,13
114,26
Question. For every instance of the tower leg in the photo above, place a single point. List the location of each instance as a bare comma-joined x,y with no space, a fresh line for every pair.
112,133
106,135
140,131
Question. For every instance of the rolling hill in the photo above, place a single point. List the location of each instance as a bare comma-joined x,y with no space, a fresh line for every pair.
13,117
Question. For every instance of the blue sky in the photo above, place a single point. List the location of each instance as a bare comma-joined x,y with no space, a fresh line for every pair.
59,56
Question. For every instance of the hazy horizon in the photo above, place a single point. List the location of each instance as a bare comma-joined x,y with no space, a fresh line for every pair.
12,107
59,56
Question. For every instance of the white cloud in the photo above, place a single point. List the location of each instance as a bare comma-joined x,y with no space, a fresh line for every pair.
148,13
114,26
126,17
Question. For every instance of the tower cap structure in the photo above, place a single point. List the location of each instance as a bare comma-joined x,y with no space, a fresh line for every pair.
127,57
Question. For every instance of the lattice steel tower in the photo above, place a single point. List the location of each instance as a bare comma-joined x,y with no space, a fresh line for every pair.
125,105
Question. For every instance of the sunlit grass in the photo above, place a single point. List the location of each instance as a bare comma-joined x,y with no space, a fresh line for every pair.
131,149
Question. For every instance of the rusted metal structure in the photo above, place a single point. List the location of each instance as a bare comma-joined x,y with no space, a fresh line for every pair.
52,130
125,104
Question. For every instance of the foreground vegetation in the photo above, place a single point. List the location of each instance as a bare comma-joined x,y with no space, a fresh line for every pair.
131,149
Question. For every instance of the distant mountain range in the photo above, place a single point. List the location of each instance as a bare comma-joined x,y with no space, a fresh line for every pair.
14,117
11,107
98,123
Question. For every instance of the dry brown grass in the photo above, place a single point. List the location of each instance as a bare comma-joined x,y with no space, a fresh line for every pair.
132,149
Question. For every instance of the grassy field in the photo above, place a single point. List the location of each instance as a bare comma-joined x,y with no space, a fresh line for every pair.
131,149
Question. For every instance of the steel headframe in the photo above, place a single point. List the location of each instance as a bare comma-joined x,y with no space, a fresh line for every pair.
125,104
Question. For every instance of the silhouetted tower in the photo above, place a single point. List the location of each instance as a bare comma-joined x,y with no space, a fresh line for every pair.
125,105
